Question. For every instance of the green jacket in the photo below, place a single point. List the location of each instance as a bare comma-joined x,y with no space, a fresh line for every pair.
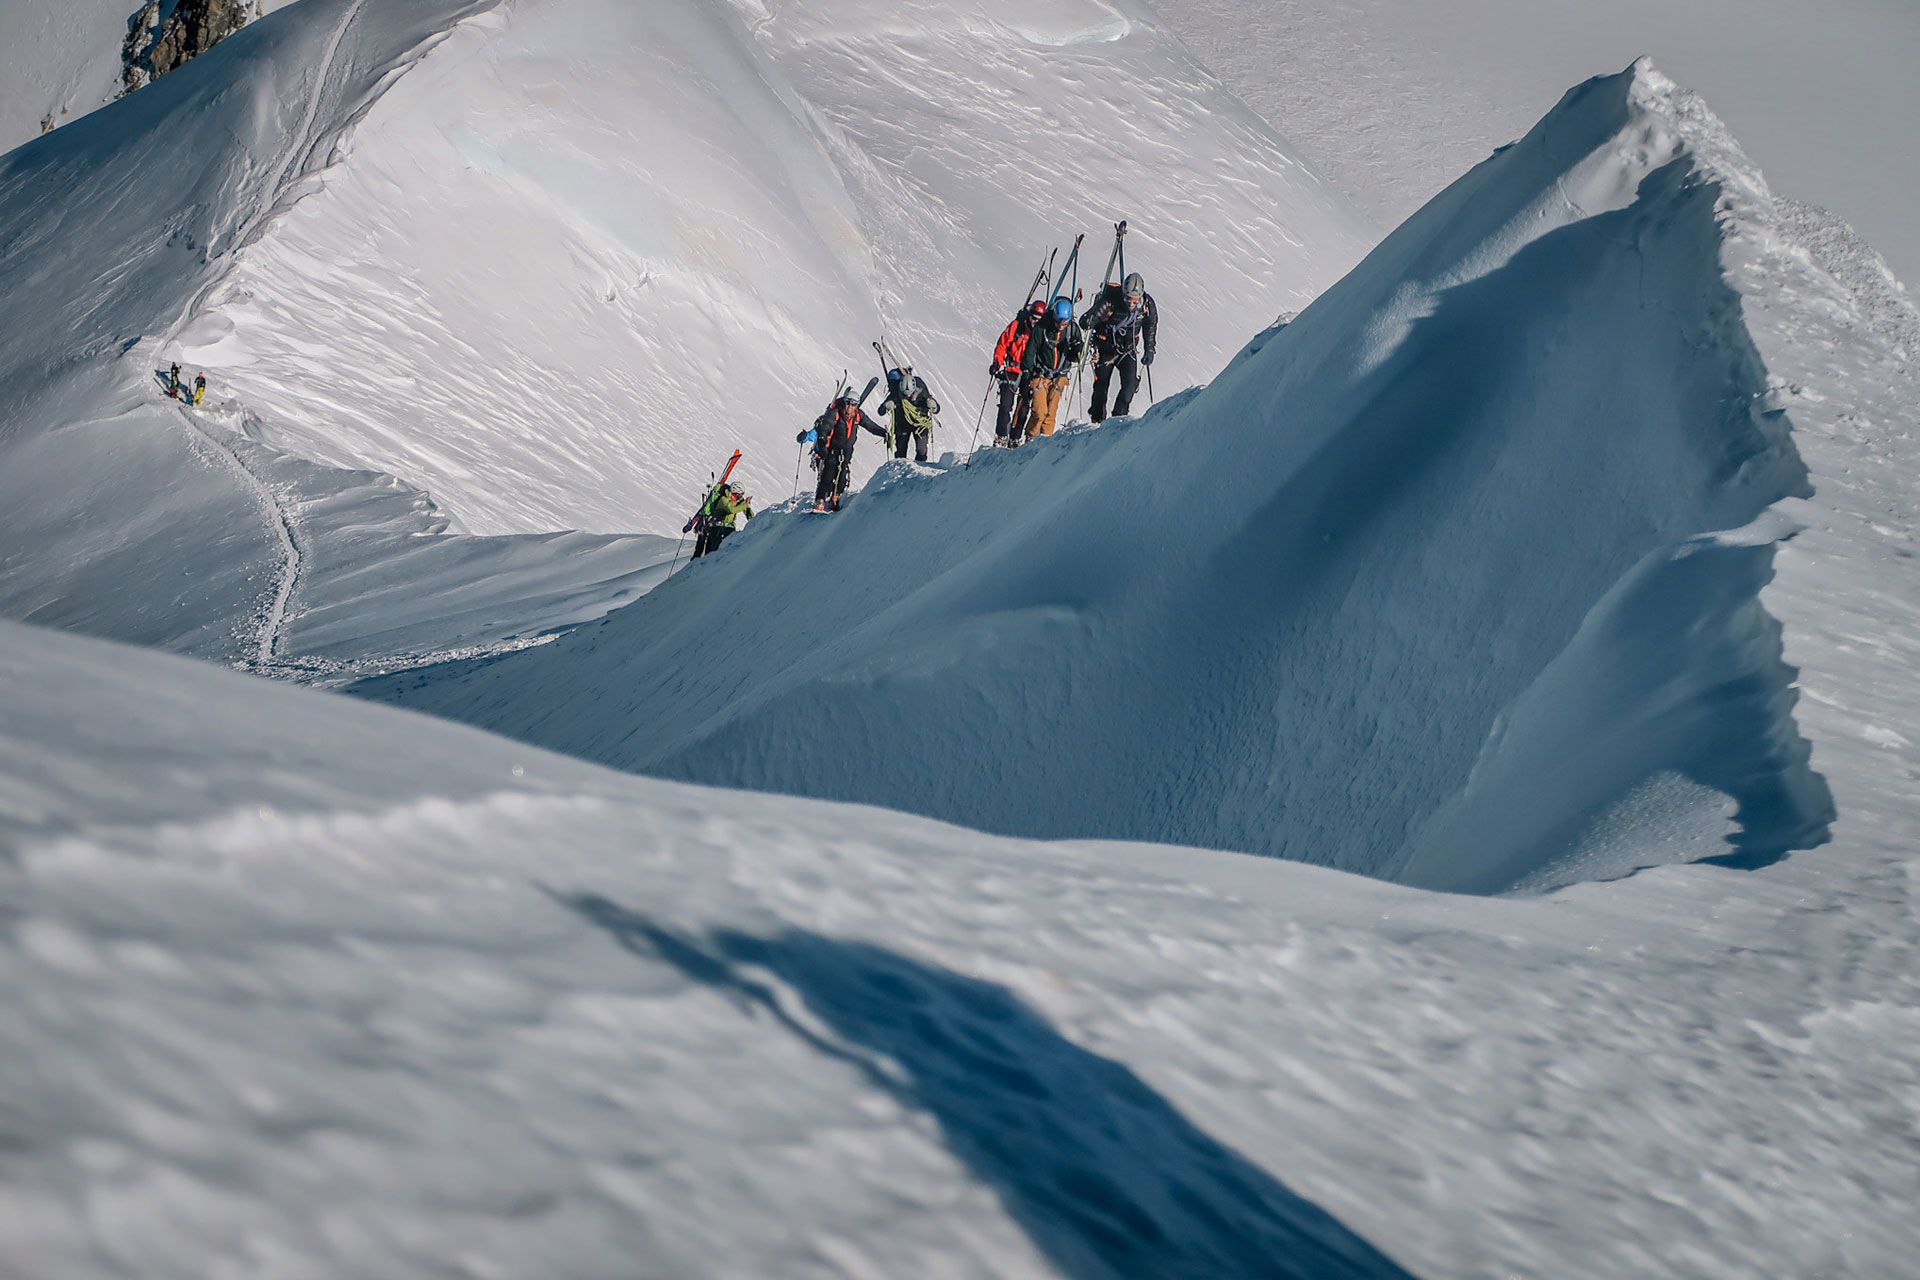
723,506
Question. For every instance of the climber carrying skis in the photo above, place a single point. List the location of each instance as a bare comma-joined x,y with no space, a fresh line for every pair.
173,382
833,434
911,407
716,519
1006,370
1053,352
1119,319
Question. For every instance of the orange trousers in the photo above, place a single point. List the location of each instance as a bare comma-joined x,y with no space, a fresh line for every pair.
1046,405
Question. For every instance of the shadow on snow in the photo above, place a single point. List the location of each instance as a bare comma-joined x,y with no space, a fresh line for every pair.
1106,1177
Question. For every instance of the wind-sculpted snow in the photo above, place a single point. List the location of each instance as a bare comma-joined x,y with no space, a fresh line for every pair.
1421,585
129,517
296,983
593,246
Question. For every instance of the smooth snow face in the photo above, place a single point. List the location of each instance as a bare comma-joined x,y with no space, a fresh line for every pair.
130,517
1394,98
291,981
1436,544
592,247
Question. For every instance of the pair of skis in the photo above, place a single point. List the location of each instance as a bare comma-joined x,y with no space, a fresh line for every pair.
1040,277
697,523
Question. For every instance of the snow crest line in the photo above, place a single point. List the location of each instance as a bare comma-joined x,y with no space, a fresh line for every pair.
304,142
275,515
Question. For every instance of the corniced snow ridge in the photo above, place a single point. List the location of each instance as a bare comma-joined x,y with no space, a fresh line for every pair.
1453,579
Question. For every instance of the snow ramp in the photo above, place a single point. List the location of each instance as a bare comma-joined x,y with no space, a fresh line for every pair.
1455,579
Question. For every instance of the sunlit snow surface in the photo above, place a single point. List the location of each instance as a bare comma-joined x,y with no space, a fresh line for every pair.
294,982
591,246
295,985
128,515
1427,584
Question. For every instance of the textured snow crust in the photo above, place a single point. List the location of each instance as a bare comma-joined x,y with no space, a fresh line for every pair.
1424,585
591,247
130,517
292,982
295,985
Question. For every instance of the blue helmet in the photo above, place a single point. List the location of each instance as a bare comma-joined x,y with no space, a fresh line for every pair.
894,376
1063,308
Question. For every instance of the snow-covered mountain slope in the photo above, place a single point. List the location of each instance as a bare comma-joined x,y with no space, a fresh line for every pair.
129,516
1432,583
1394,98
591,247
65,59
293,983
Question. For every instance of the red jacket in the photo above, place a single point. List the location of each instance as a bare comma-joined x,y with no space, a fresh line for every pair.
1012,347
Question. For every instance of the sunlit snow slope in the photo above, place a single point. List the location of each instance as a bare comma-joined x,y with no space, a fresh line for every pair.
1427,584
127,516
64,60
293,983
593,246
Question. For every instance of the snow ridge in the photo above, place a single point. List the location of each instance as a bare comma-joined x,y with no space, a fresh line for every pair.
184,537
1288,614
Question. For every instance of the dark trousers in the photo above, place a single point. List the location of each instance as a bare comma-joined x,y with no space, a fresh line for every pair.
836,466
1015,393
921,439
710,538
1104,364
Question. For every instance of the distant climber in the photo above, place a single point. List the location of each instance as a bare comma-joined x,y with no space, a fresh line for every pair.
1053,352
833,434
908,412
716,519
1007,355
1119,319
199,387
173,382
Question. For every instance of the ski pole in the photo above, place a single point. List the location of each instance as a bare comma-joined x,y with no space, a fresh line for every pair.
799,456
977,422
1149,386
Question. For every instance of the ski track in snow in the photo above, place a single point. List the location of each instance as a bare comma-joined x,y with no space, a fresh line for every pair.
294,166
300,155
276,517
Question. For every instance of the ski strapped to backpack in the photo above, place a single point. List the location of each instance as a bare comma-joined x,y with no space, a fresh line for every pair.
840,389
889,362
698,521
1040,277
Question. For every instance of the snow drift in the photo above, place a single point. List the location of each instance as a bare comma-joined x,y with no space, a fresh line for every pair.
292,982
127,516
593,246
544,279
1440,551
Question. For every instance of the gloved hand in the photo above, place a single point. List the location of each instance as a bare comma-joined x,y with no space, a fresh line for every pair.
804,436
1147,360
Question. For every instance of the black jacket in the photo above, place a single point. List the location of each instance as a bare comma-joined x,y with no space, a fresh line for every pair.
1117,327
1053,349
834,429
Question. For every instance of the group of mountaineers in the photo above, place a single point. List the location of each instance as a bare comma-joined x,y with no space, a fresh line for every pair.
1036,366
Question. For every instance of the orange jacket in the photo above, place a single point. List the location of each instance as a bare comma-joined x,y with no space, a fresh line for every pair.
1012,347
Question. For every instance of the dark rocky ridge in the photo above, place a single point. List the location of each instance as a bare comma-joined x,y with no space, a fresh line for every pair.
156,45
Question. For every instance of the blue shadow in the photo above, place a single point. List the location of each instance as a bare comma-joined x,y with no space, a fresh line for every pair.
1106,1177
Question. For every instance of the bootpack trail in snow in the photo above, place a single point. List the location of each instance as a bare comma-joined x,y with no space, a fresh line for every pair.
275,516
